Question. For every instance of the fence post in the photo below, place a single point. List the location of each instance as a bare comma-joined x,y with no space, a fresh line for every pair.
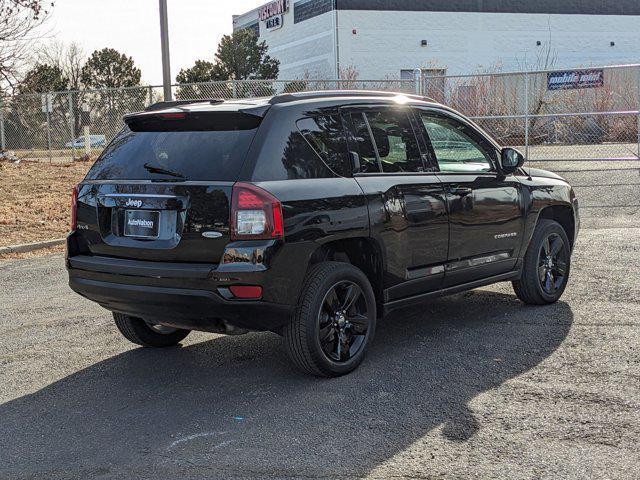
2,140
48,126
417,78
526,116
72,127
234,89
150,95
638,107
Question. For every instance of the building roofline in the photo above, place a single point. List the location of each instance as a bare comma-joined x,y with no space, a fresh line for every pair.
574,7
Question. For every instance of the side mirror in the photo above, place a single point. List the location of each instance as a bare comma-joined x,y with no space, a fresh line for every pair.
355,162
510,160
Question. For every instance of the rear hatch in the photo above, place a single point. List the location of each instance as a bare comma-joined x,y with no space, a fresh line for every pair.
161,191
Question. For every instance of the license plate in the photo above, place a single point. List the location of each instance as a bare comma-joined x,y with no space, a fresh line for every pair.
141,223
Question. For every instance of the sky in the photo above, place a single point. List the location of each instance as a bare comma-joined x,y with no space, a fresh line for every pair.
133,27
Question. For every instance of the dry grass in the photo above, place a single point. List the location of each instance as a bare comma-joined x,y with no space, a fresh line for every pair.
35,253
35,200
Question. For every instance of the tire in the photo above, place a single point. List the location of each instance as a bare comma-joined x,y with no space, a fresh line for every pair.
543,281
337,303
138,331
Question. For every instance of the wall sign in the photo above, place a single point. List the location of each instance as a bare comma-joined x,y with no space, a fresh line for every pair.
572,79
272,13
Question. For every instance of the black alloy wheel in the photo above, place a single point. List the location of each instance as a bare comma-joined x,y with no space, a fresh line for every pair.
552,264
344,321
334,322
546,265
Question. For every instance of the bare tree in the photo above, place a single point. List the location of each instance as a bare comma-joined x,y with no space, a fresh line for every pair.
69,58
19,22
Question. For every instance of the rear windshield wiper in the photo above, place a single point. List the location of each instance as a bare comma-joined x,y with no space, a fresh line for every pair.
163,171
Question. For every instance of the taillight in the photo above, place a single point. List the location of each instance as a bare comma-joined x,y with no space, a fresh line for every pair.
74,208
255,214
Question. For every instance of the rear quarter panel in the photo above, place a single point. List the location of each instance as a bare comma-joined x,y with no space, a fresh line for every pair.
316,211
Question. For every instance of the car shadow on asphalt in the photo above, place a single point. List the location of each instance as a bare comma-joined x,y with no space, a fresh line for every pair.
234,404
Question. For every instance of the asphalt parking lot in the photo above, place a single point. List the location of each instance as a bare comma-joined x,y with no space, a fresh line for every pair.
472,386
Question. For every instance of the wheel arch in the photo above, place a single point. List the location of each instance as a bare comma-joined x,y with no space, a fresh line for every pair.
564,215
364,253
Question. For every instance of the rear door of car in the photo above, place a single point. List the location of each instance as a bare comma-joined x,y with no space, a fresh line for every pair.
485,207
407,206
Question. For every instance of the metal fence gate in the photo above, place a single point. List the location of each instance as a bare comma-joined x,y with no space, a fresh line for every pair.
583,124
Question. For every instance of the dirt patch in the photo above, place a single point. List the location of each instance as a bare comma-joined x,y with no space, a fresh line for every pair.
35,200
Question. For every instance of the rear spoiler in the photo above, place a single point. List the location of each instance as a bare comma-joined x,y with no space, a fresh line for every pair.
177,103
174,107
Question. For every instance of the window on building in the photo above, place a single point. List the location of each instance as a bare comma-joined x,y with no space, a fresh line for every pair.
407,74
306,9
254,27
433,83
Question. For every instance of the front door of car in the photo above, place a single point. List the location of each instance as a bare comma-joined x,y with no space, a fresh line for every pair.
485,209
407,206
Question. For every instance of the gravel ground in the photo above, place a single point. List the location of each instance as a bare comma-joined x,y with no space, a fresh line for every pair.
472,386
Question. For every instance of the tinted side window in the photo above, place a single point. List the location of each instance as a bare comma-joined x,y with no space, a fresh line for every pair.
287,155
366,149
396,141
456,145
326,136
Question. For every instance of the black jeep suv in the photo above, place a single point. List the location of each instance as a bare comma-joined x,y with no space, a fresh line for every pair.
311,215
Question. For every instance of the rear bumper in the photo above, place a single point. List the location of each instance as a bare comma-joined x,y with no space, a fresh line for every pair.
195,309
193,296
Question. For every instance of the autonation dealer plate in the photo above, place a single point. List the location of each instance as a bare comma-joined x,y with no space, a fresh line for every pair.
141,223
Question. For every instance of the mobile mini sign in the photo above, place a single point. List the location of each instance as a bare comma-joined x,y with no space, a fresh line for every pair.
573,79
272,13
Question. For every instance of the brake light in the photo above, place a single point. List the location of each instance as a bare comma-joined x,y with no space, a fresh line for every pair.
255,214
74,208
172,116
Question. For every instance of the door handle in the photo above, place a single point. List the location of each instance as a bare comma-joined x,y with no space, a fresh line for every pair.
460,191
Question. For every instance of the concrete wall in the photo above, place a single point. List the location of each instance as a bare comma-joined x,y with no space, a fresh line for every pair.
385,42
305,48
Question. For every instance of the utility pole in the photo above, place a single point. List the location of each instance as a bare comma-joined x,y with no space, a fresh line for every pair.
164,40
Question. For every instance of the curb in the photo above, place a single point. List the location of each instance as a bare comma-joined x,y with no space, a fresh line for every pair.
29,247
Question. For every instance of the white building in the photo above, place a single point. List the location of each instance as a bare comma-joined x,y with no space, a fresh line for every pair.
391,38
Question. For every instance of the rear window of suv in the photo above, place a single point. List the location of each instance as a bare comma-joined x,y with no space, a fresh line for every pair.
196,147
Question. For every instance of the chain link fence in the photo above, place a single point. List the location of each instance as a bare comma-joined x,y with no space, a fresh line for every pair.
582,123
594,110
517,109
51,127
579,123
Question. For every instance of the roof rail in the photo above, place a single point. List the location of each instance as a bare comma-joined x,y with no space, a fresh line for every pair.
292,97
177,103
